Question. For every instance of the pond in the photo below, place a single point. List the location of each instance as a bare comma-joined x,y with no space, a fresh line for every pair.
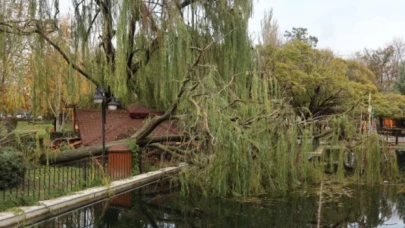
155,206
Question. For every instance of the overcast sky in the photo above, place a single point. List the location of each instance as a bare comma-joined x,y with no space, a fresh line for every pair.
345,26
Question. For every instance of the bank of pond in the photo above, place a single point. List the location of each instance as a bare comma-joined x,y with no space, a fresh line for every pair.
157,206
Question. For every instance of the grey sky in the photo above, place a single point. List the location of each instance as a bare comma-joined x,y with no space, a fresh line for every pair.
345,26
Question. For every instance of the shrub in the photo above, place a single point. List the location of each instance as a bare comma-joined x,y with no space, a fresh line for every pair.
12,168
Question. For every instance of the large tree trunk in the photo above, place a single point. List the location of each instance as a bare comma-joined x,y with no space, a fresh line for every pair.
83,152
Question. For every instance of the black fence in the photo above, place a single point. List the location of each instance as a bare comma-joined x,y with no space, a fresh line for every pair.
45,182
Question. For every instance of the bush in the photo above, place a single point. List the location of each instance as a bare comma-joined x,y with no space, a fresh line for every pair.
12,168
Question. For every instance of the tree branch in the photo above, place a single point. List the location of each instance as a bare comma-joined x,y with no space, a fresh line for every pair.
148,128
172,150
67,59
91,25
154,45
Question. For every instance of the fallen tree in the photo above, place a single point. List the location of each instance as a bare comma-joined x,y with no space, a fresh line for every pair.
83,152
141,137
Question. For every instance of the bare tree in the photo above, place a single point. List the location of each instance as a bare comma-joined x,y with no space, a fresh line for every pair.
270,30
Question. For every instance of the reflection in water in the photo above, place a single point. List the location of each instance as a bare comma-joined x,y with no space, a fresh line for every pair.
341,207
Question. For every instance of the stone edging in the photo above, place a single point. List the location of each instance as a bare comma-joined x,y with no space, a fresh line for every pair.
53,207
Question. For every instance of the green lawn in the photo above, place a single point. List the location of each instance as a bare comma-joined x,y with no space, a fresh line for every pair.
41,128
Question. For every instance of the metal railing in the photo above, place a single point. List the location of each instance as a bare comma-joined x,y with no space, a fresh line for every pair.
45,182
50,181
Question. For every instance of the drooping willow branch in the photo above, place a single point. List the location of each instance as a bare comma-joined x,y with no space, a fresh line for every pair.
67,59
148,128
33,27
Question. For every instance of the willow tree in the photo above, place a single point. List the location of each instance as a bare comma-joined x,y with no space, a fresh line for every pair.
140,50
193,57
13,64
56,86
136,47
152,52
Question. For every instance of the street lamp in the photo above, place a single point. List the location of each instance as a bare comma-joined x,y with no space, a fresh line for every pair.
100,98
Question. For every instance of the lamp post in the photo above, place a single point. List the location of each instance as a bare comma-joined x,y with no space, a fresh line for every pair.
100,98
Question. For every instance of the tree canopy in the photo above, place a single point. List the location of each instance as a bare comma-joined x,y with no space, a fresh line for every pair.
301,34
318,83
400,81
138,48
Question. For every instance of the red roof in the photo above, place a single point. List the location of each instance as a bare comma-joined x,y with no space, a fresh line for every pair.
119,125
141,111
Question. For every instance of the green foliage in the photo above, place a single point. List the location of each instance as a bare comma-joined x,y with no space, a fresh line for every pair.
360,74
389,105
374,161
301,34
135,157
251,129
321,84
400,81
317,82
250,145
12,167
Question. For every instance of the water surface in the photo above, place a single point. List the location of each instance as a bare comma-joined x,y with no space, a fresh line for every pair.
342,206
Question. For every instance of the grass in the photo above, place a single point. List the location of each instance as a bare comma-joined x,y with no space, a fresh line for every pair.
41,128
